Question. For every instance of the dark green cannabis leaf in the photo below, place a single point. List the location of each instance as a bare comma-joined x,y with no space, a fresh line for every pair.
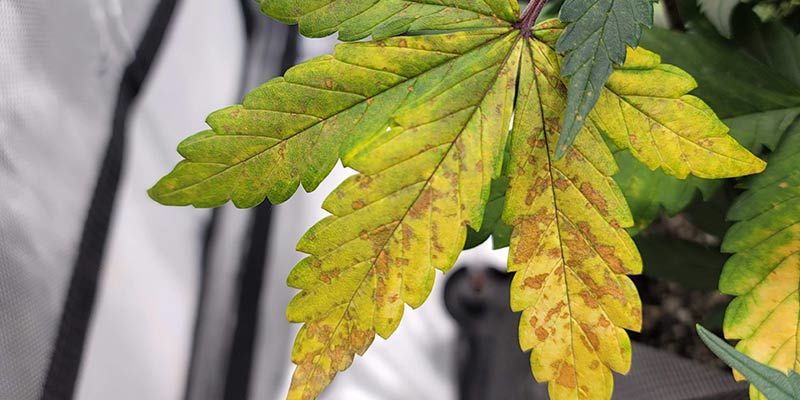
595,39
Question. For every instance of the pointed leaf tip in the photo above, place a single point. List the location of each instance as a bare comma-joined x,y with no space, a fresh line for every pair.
769,381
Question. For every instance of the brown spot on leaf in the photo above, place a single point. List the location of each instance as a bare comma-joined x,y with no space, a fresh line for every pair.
535,282
529,235
536,142
561,184
609,288
408,234
364,181
594,341
541,333
566,376
555,310
595,198
422,204
328,276
589,299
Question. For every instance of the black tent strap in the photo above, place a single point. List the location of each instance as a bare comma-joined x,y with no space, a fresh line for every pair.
79,304
209,235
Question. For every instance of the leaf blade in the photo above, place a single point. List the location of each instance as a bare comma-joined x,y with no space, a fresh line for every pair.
765,270
404,215
665,128
757,101
358,19
568,249
290,130
768,380
595,39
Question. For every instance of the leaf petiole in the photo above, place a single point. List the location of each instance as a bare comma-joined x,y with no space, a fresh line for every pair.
528,18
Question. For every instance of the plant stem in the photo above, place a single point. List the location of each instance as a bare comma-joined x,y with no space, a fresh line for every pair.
674,15
528,18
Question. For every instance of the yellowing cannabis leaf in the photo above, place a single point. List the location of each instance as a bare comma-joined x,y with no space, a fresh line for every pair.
383,18
289,130
424,120
765,271
421,182
645,108
568,248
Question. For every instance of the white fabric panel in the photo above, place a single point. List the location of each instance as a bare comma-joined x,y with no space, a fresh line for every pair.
59,74
139,342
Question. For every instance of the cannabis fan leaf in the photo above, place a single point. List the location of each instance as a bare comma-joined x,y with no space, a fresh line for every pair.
424,121
764,272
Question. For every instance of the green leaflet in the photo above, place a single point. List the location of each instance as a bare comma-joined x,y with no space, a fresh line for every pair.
289,130
770,381
697,267
771,43
638,182
492,224
357,19
764,272
421,182
595,39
